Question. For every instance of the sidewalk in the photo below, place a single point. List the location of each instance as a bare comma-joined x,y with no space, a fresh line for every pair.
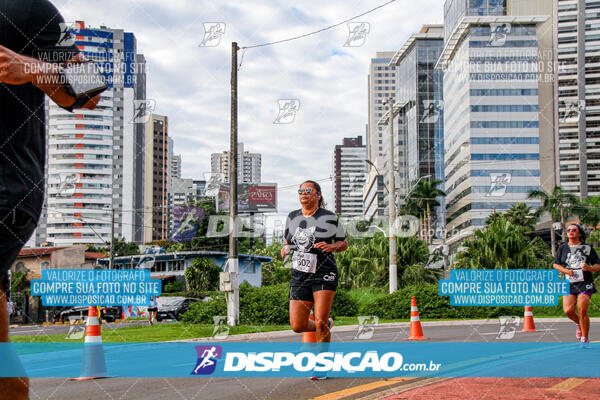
350,328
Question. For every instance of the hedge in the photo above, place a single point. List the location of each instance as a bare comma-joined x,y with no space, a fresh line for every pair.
264,305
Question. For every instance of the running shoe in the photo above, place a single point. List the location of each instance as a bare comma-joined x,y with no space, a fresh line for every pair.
585,343
578,334
318,378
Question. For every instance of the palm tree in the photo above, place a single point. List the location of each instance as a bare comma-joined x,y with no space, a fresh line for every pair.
521,214
559,204
503,245
366,262
423,200
588,211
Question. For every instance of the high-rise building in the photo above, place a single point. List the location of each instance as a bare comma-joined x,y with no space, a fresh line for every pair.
381,85
249,166
156,183
94,157
419,123
498,109
349,172
579,96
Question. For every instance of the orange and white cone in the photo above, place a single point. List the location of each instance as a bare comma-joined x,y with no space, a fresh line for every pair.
309,337
93,364
528,324
416,332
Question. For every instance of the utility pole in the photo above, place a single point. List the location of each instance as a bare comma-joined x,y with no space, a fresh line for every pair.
392,202
229,279
112,239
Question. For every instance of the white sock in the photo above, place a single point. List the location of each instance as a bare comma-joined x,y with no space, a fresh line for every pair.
584,339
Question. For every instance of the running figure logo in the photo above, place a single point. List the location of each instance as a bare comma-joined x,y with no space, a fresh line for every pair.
357,33
431,111
569,111
207,359
508,327
212,34
499,33
66,39
499,183
366,326
142,109
287,111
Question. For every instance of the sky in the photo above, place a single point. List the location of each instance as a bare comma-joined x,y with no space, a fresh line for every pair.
190,82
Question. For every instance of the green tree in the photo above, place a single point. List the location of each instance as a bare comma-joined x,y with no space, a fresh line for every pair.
521,214
202,275
124,248
366,262
277,271
503,245
559,204
18,280
588,211
422,202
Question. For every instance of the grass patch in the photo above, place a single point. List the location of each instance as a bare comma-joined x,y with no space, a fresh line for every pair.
156,333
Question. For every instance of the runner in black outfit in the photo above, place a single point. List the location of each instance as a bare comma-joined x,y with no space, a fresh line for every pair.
577,261
32,51
312,235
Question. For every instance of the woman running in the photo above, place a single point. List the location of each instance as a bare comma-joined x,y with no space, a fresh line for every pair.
312,235
577,261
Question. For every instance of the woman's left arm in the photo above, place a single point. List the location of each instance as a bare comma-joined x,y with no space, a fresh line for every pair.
335,247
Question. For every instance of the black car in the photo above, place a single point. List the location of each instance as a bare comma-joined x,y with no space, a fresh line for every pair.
173,307
110,314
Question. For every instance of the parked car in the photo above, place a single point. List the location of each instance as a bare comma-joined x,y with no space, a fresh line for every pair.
173,307
110,314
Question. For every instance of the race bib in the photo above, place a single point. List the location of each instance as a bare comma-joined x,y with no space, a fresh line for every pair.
577,276
305,262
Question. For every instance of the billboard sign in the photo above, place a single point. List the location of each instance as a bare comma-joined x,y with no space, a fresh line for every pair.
252,197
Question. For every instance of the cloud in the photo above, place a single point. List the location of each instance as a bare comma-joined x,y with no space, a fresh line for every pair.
191,84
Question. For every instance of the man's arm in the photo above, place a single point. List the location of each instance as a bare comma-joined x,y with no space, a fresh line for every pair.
16,69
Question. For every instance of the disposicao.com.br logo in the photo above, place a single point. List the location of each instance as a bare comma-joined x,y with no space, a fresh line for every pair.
305,361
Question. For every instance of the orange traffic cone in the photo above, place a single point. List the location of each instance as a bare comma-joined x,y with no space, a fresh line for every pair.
528,324
416,332
309,337
93,364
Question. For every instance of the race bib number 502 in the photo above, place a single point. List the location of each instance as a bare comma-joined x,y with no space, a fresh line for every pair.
305,262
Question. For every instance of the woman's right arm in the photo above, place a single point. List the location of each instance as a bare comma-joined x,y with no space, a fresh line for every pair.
559,267
562,269
285,249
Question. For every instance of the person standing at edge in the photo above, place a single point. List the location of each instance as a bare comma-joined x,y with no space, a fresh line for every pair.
312,235
577,261
32,54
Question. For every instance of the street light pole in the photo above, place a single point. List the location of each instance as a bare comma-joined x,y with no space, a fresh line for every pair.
233,299
393,268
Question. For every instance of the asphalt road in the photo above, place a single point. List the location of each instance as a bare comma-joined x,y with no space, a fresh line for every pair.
294,388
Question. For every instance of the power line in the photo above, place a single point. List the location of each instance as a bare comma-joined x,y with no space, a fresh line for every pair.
320,30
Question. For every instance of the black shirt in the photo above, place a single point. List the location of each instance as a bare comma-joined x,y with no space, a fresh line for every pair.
33,28
583,254
301,233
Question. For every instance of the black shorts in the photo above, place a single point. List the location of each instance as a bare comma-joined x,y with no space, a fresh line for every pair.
305,292
155,309
16,227
587,288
